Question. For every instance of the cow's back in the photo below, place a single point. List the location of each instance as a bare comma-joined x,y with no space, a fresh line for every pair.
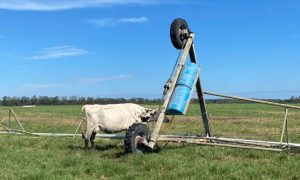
112,117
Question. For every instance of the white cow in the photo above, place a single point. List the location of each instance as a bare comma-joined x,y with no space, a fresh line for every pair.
113,118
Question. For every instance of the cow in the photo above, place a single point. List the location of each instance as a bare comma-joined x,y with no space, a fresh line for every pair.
114,118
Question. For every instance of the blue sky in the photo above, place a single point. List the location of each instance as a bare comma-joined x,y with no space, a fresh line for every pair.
108,48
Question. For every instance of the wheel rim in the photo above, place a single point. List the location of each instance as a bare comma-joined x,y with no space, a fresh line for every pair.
139,143
183,33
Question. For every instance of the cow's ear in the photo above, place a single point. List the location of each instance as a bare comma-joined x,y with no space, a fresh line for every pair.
153,112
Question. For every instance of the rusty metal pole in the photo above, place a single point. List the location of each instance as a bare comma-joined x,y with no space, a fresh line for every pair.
200,94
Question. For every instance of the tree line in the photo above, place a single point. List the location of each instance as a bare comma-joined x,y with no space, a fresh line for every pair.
74,100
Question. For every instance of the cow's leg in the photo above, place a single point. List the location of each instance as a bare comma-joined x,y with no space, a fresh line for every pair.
86,144
92,140
87,136
93,136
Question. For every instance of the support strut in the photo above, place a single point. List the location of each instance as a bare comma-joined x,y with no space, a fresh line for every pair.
188,50
200,94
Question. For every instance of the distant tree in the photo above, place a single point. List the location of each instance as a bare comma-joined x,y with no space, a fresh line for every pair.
55,100
90,100
25,100
5,101
34,100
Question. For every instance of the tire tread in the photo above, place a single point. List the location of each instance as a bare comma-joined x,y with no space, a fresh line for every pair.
130,136
174,35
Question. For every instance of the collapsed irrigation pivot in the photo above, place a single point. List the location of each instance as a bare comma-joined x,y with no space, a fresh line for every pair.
177,94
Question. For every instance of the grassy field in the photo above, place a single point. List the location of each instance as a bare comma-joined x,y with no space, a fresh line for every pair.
64,158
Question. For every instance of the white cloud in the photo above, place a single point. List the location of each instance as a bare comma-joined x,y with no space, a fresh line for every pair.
91,80
52,5
94,80
43,86
103,22
59,52
134,20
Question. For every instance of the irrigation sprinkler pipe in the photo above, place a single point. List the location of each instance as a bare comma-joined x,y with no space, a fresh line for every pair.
252,100
15,132
210,141
181,62
240,146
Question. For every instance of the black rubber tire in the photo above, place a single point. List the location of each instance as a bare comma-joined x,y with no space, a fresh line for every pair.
177,39
135,131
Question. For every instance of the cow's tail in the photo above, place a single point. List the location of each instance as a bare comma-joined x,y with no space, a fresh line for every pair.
83,108
84,122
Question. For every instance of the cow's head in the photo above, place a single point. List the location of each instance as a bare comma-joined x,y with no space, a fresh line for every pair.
152,115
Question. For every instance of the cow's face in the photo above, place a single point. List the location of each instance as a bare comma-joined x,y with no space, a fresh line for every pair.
147,114
152,115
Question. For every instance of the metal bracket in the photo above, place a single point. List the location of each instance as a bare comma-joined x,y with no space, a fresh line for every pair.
167,86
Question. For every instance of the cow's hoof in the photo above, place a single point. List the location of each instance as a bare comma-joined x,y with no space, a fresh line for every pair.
135,137
92,144
86,144
179,31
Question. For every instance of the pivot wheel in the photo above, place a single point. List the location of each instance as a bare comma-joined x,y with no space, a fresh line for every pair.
135,137
179,32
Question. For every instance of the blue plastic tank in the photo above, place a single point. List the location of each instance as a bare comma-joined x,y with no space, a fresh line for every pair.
183,89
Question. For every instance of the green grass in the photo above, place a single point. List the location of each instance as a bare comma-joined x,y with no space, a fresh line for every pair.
64,158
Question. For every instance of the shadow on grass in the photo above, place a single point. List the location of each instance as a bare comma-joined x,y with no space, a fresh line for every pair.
97,147
175,146
106,147
75,147
100,148
111,148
